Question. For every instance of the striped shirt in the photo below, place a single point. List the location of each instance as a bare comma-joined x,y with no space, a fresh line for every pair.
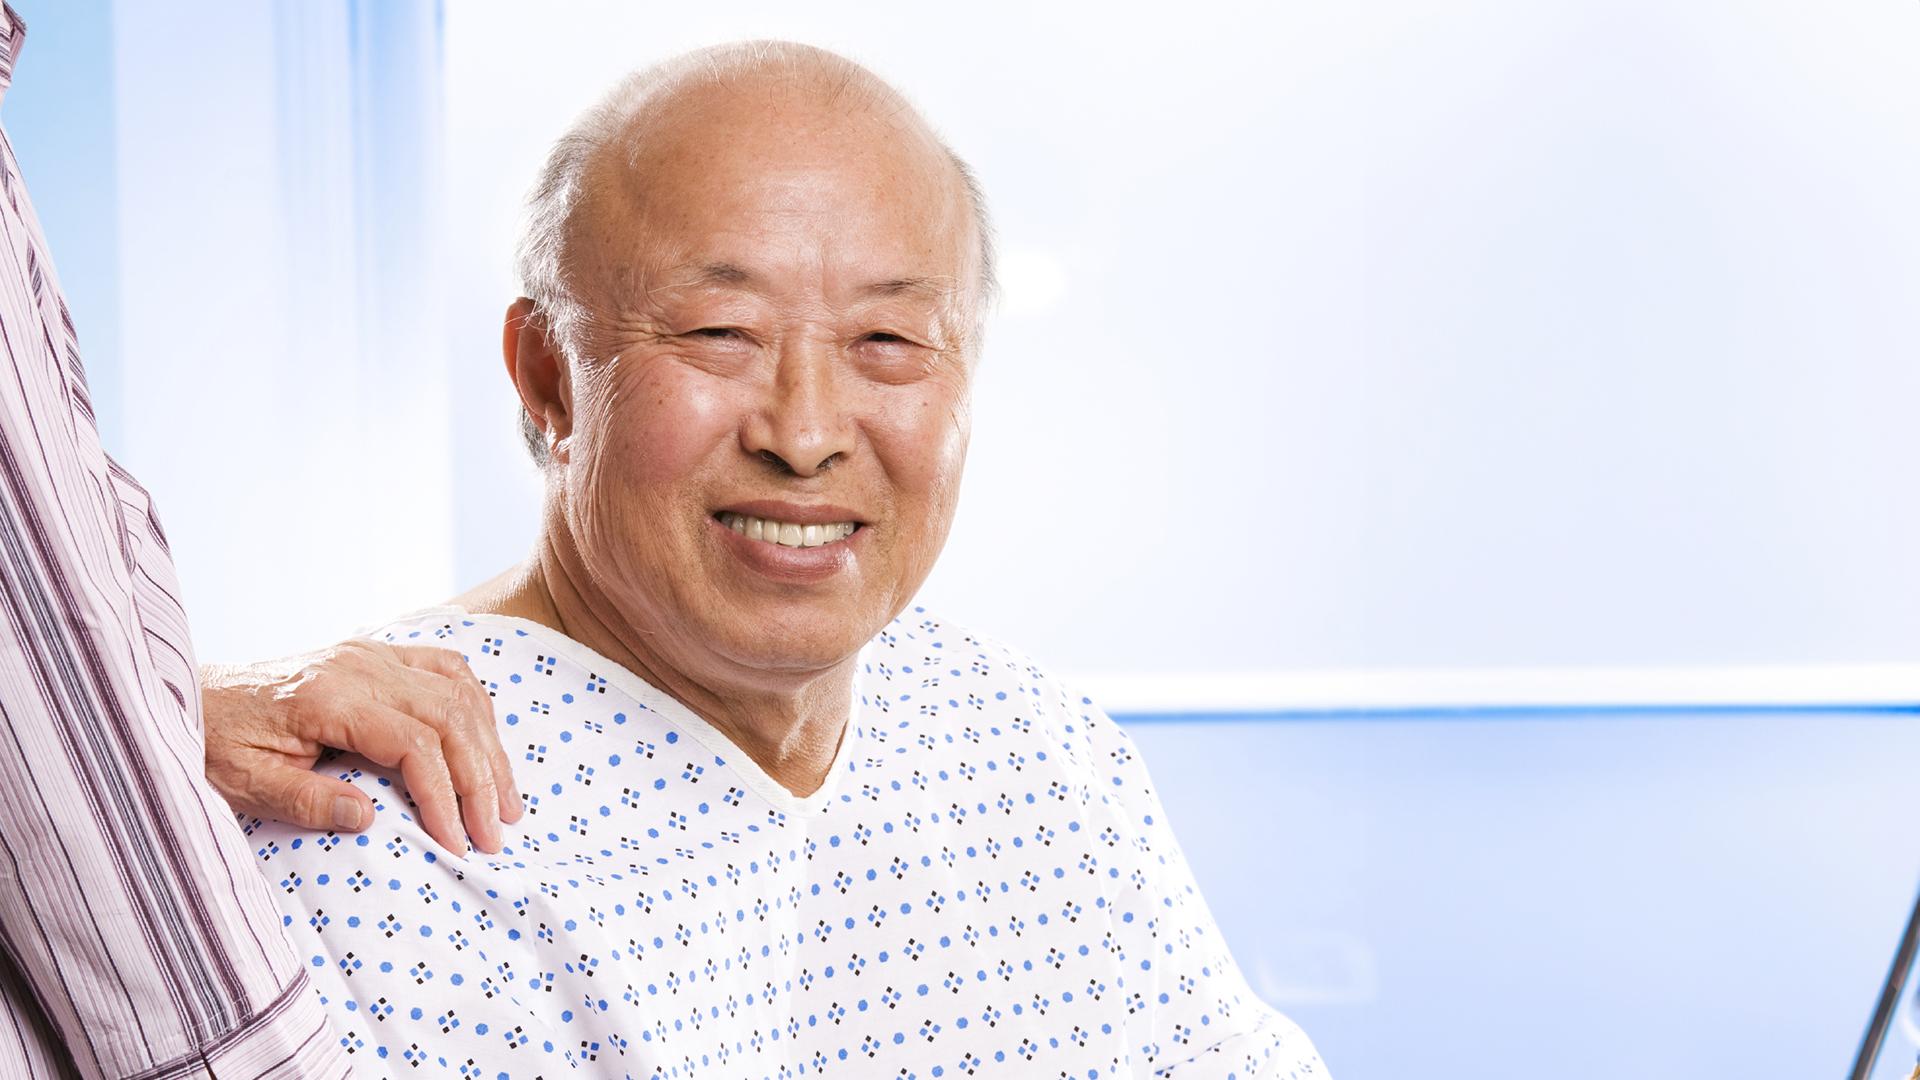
136,937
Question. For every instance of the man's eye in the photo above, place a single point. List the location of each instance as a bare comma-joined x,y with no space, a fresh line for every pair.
884,338
716,332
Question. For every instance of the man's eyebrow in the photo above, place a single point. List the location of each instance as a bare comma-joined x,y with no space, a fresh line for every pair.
698,275
695,275
929,286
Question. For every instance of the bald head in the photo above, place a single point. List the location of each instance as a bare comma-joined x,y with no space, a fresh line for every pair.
655,137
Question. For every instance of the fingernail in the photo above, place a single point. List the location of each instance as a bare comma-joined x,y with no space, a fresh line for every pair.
346,812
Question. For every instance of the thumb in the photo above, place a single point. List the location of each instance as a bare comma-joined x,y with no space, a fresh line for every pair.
298,796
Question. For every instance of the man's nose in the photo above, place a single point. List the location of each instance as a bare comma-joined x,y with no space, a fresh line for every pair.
805,421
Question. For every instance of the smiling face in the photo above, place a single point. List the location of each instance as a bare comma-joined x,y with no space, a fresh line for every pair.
757,444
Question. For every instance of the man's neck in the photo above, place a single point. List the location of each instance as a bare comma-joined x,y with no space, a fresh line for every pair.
791,731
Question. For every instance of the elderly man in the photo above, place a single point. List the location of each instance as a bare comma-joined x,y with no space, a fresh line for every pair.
777,822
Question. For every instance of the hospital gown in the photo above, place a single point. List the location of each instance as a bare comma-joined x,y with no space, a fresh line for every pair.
984,886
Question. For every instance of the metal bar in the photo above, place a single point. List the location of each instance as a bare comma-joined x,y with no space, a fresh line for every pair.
1890,994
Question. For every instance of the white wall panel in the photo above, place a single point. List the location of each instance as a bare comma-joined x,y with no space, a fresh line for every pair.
285,380
1384,335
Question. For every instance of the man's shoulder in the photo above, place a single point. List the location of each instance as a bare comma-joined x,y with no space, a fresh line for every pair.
920,642
478,636
440,626
919,627
929,666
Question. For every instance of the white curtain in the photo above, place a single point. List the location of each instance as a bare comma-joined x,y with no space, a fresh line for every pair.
286,377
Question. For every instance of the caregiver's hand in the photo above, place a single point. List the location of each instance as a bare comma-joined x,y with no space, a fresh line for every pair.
409,706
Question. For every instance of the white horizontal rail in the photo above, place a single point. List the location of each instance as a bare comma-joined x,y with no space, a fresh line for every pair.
1372,690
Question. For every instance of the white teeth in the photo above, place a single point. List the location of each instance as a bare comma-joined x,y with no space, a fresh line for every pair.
787,533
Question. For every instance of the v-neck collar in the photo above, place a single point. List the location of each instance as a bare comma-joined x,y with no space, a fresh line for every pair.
658,701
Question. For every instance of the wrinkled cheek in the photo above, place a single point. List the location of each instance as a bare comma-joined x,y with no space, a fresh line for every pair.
664,423
951,425
645,441
925,451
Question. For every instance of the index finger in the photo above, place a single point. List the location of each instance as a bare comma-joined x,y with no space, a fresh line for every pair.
485,730
387,736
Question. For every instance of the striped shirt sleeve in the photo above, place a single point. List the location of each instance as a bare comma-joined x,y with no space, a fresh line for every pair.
136,938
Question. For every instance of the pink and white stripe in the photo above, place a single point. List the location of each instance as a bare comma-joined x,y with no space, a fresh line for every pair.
136,938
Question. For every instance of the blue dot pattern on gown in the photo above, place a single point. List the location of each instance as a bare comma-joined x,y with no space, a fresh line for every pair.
985,884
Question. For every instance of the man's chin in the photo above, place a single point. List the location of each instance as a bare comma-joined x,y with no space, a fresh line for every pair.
797,639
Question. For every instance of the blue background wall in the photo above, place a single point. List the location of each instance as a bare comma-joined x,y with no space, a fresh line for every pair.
1577,895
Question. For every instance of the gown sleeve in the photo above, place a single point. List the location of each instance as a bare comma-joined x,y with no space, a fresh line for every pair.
1191,1013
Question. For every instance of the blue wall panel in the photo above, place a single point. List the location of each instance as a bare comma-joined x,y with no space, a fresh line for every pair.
60,117
1616,895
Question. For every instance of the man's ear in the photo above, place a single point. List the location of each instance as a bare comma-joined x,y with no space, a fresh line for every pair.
540,376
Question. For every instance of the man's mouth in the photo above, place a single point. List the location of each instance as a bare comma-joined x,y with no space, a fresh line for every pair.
786,533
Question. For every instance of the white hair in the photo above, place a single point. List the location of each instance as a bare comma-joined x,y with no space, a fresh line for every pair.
541,254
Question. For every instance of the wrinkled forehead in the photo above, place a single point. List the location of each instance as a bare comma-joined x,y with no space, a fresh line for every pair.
816,191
